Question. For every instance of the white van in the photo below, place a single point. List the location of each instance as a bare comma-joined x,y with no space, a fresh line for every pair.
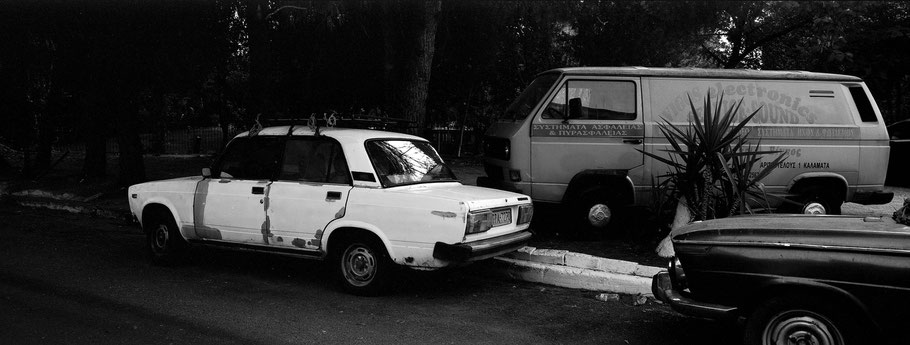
572,137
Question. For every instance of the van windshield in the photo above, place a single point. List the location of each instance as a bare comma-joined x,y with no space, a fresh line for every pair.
530,97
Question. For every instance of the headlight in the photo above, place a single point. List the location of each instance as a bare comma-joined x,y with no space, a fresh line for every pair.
525,213
479,221
677,275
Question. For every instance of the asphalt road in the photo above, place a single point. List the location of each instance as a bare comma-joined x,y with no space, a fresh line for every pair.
74,279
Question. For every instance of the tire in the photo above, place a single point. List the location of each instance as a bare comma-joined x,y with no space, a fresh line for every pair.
786,320
363,267
816,202
165,245
594,211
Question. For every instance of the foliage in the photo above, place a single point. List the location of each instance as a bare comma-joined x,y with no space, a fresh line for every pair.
712,162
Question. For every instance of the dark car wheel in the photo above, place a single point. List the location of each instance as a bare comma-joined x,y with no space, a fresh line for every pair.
165,244
363,267
797,320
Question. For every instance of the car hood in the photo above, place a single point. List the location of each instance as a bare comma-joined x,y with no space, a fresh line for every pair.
875,233
475,197
180,184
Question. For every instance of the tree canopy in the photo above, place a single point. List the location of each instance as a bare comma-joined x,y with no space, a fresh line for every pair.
89,70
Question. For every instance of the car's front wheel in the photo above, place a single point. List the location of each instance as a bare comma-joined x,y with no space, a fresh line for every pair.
797,320
165,244
363,267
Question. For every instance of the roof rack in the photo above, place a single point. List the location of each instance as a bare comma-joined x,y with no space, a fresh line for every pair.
334,119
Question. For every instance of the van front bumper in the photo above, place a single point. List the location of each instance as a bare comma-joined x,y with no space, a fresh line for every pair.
663,290
483,249
486,181
877,197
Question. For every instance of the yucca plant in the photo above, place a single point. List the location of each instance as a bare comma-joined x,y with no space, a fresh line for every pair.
712,162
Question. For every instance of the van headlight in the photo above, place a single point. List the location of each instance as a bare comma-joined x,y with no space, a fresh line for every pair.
479,221
525,213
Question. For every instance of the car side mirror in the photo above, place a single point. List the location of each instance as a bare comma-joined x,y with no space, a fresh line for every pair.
206,172
574,108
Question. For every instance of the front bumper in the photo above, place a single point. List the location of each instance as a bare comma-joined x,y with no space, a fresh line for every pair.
483,249
873,197
489,182
662,288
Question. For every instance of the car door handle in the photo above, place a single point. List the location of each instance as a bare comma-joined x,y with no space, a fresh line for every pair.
632,141
333,196
258,190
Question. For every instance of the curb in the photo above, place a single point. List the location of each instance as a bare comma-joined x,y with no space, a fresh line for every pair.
578,271
546,266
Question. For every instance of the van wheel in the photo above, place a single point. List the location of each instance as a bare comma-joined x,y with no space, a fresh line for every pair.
164,242
363,267
815,202
595,211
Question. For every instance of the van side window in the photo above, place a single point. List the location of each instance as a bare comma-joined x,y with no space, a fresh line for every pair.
866,113
598,100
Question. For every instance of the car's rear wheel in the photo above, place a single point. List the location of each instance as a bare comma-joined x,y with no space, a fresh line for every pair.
363,267
164,242
797,320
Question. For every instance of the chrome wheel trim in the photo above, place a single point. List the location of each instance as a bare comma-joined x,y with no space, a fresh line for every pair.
801,327
358,265
599,215
814,207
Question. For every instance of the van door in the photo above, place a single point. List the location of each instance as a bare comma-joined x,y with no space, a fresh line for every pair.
589,126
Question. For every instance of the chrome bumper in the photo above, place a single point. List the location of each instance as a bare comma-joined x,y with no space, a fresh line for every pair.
662,288
483,249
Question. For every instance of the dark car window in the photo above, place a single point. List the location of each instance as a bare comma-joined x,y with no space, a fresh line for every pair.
402,162
314,160
250,159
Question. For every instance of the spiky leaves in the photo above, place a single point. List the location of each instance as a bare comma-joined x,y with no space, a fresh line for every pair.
712,163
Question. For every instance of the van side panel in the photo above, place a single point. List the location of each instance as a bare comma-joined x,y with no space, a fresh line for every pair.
809,121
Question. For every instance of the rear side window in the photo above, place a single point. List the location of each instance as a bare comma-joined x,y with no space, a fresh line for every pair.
866,113
314,160
253,158
597,100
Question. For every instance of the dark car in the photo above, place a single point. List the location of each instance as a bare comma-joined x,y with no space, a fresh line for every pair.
898,166
794,279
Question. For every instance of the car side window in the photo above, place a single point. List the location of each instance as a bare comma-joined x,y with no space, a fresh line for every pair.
250,159
314,160
593,100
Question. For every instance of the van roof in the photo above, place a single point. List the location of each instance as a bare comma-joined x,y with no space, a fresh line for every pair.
704,73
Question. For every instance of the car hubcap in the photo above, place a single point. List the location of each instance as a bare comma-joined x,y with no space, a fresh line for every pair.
161,237
801,328
599,215
814,208
359,266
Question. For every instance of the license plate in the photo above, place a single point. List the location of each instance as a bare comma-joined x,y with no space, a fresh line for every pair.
503,217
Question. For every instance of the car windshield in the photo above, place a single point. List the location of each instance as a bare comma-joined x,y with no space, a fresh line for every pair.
402,162
529,98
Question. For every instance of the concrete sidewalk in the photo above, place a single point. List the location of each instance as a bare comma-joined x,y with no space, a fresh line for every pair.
546,266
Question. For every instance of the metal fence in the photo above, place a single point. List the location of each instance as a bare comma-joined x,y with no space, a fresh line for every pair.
208,140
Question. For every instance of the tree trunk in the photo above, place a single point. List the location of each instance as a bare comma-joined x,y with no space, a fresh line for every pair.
132,167
260,57
417,77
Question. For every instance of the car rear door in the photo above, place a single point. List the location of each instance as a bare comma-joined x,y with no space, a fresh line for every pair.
311,191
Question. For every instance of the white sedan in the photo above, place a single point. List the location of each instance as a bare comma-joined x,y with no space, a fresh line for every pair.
364,200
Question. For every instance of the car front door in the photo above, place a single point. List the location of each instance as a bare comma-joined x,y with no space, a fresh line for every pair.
230,206
311,191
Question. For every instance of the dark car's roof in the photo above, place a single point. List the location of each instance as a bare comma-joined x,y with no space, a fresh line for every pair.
704,73
835,231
